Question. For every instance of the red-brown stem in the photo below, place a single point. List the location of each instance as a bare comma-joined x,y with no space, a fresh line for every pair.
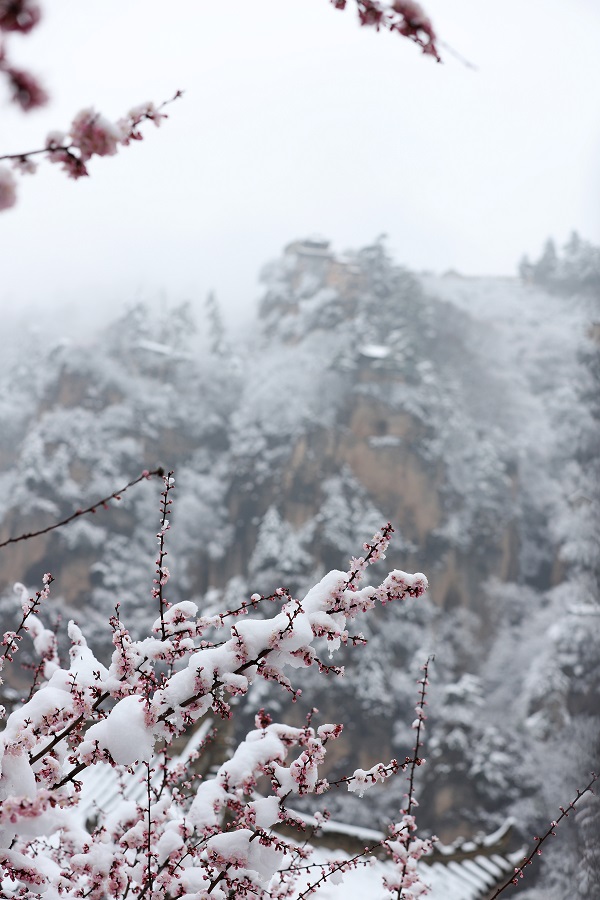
74,725
116,495
386,532
366,852
415,761
520,870
67,148
32,609
149,842
164,511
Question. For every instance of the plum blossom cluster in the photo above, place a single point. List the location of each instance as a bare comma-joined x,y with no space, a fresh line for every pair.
182,834
403,17
25,89
19,16
162,572
167,830
406,849
404,845
8,188
44,640
90,134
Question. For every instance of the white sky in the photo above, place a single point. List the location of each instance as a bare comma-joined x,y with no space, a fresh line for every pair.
297,121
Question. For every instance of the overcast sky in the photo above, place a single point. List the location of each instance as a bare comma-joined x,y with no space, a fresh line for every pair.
297,121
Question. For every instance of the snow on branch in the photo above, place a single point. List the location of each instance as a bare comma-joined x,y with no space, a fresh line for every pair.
404,846
403,17
90,134
183,836
168,831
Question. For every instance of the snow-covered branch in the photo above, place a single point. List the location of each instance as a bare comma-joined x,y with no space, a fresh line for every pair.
403,17
176,839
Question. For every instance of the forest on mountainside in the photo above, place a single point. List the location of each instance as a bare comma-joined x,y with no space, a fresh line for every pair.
463,410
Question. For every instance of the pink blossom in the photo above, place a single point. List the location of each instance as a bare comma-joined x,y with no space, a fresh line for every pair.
92,134
8,188
73,165
405,17
412,12
145,111
26,89
131,709
18,15
55,140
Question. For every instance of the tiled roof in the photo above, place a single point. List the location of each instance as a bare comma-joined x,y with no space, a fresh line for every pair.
465,870
474,879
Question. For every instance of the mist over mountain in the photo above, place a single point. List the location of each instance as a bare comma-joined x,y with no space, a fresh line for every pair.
463,410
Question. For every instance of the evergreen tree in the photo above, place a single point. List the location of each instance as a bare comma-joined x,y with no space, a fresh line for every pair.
216,328
545,270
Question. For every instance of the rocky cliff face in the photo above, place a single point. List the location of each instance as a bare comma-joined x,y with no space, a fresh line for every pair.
377,382
448,406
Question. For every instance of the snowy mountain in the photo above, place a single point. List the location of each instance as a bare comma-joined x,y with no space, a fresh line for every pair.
463,410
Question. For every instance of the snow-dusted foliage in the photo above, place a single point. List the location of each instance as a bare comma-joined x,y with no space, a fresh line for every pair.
573,270
184,835
462,409
82,421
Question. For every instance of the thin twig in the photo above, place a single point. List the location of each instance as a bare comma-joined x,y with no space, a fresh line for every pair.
520,870
116,495
149,841
414,762
162,574
67,148
12,644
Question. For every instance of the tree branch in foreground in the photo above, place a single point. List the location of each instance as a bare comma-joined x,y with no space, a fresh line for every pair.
90,134
405,17
116,495
520,870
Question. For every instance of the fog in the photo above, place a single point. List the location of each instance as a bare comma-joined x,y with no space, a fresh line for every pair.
464,411
296,121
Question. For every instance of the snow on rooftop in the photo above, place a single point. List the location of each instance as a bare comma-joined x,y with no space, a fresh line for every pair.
362,834
160,349
154,347
374,351
314,245
101,788
467,880
384,440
